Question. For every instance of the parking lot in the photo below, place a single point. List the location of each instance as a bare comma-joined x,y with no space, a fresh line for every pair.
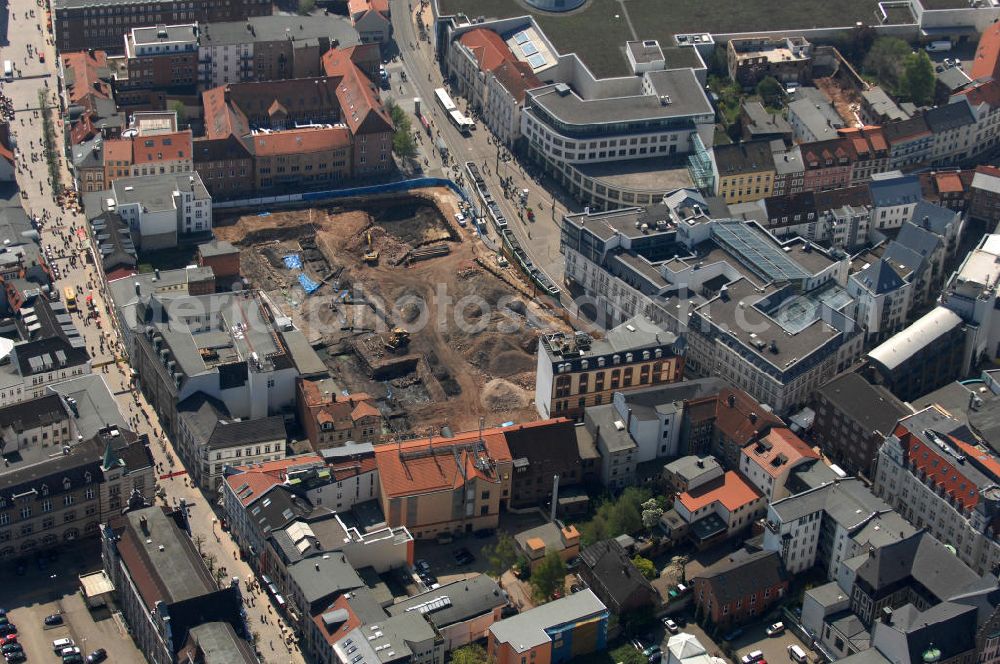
51,589
775,648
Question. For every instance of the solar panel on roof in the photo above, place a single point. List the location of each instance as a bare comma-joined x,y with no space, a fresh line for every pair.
529,49
520,38
536,61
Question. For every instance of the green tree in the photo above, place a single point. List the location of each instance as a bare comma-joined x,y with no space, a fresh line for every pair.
306,7
885,60
548,577
177,106
470,654
646,567
770,91
403,143
918,78
502,555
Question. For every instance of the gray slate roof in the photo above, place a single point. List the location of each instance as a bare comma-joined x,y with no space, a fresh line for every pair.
741,574
527,630
467,598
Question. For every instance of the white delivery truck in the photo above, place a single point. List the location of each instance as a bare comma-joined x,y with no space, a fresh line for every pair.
941,46
8,70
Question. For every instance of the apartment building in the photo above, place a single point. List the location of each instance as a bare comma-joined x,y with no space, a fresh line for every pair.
830,524
853,418
839,217
883,298
209,439
542,452
607,569
475,604
740,587
66,470
942,477
84,24
716,510
445,485
579,371
331,419
226,166
954,127
372,19
745,171
789,60
86,94
161,584
268,48
161,57
159,209
910,141
812,116
984,195
827,164
148,154
768,462
493,78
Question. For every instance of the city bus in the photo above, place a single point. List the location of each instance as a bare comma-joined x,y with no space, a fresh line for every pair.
70,294
463,123
444,100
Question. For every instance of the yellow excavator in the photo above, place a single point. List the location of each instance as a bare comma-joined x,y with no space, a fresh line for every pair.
398,339
371,256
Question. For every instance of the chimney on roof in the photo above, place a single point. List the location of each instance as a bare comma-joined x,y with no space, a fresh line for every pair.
753,418
731,400
227,94
144,525
886,615
628,426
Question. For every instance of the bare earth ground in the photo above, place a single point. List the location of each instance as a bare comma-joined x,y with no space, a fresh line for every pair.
477,349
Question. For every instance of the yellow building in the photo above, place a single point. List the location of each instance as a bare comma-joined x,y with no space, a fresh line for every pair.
745,171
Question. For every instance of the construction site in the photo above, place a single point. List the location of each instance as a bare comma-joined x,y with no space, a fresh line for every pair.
403,304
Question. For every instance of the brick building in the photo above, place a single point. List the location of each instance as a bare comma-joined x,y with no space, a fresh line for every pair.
83,24
740,587
161,57
331,419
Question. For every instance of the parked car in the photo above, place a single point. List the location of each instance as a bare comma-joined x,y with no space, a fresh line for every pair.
444,538
16,657
8,629
463,556
73,658
648,652
11,647
753,657
655,658
775,629
54,620
98,655
422,566
10,638
671,626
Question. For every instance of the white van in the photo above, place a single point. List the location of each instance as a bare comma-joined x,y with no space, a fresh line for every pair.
797,654
8,70
938,46
59,644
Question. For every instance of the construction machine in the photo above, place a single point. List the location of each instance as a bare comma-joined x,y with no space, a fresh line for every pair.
371,256
398,339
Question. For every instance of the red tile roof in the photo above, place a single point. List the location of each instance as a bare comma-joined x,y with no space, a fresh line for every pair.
360,105
948,182
986,169
293,141
926,459
356,8
173,146
986,64
259,478
341,630
517,78
344,470
222,117
118,150
731,490
740,418
420,466
488,47
87,82
779,450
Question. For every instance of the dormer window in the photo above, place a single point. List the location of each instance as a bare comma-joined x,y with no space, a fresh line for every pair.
67,484
327,426
87,477
45,489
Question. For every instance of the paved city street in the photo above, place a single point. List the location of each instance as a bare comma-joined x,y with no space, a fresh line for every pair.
65,231
540,238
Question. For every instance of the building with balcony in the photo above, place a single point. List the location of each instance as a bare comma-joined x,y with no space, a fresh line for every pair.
160,57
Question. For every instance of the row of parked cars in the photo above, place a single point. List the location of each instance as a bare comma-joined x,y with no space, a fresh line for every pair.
70,652
12,651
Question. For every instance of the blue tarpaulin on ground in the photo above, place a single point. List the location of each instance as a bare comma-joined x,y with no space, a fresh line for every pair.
308,284
293,262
